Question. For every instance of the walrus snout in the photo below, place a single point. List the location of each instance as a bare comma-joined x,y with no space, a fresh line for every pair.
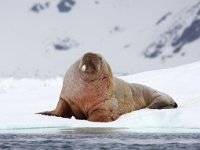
90,63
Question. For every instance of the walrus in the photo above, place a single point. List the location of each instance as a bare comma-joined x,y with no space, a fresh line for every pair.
91,92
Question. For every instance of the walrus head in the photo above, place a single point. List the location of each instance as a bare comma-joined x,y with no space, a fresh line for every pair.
92,66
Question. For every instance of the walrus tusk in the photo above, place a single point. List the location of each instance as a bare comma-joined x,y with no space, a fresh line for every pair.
83,68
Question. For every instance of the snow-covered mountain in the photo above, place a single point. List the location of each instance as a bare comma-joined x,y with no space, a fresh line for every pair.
180,30
41,38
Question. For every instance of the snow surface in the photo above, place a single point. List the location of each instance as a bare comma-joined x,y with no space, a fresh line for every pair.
20,99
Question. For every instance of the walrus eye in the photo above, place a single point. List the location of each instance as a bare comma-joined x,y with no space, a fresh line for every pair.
83,68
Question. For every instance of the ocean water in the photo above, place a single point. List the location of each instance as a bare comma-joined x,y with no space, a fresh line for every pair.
100,139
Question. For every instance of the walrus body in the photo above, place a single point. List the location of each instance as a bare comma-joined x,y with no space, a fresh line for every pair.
91,92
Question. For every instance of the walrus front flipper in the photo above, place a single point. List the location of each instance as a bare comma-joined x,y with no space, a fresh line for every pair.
100,115
47,113
163,102
62,110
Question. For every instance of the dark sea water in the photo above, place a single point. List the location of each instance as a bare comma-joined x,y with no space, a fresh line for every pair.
81,139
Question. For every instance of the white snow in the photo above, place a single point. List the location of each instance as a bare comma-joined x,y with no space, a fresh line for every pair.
20,99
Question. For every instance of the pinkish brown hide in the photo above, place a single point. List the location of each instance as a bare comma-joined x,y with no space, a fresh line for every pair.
91,92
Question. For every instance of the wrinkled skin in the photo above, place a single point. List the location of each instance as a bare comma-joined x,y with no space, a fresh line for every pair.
91,92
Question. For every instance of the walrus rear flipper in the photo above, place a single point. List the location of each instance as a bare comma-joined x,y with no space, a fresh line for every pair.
163,102
62,110
162,105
